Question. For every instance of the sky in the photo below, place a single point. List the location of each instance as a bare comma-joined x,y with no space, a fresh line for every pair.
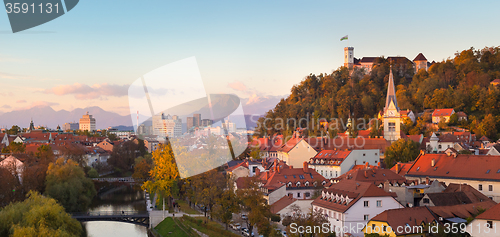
255,49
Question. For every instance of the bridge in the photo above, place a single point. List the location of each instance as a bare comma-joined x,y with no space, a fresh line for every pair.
133,217
123,180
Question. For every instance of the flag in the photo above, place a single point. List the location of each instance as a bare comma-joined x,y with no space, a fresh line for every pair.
344,38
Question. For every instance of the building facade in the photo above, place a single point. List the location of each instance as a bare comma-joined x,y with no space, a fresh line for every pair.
87,123
167,126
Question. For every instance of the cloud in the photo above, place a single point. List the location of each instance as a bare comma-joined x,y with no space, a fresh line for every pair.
237,85
6,107
21,101
11,76
85,92
260,104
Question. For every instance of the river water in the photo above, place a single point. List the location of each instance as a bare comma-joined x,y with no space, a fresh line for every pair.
122,198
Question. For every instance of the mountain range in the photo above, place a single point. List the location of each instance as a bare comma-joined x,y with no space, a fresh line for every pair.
46,116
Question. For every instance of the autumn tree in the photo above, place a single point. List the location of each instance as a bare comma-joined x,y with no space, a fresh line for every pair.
252,202
402,150
311,218
75,152
37,216
225,205
164,173
66,182
208,188
123,155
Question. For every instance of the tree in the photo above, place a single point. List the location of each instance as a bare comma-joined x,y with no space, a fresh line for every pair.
14,130
208,189
487,127
253,202
93,173
225,206
66,182
16,147
44,154
123,155
75,152
141,170
312,218
402,150
164,173
37,216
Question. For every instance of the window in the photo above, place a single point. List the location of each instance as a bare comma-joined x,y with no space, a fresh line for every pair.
364,154
439,146
488,171
425,200
331,173
366,217
336,174
480,187
392,127
298,195
307,195
367,203
385,228
490,187
489,224
322,172
373,226
379,203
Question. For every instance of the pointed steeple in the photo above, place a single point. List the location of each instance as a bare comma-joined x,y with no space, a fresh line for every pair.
391,93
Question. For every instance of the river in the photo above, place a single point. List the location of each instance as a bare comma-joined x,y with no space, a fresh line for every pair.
124,198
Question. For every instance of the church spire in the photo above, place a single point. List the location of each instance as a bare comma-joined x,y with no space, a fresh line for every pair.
391,93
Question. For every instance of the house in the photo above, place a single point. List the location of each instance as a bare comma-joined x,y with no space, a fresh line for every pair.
14,165
486,224
106,144
445,199
333,163
442,113
401,168
407,114
458,141
300,183
494,150
245,169
151,144
420,62
479,171
285,206
402,222
462,116
349,205
296,151
495,82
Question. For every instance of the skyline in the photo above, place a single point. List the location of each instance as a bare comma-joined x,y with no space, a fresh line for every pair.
254,49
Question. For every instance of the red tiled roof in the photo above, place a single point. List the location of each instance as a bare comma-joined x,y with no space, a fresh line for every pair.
280,176
442,112
491,214
495,81
473,194
352,190
416,138
290,144
282,203
375,176
461,114
463,211
334,157
343,143
420,57
368,59
413,216
473,167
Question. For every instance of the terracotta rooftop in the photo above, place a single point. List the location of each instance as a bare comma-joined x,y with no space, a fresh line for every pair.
413,216
491,214
348,193
420,57
473,194
472,167
375,176
343,143
442,112
449,199
463,211
282,203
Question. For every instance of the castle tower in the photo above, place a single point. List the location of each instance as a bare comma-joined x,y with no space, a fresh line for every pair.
349,57
392,118
420,62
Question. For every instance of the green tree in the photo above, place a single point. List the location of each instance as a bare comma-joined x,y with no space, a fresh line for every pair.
14,130
93,173
37,216
225,206
252,202
66,182
402,150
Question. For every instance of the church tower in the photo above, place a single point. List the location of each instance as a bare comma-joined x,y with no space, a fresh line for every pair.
392,118
349,57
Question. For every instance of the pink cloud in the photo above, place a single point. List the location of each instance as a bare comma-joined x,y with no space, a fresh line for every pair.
85,92
237,85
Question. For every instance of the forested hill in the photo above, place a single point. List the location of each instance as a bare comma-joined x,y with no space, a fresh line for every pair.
462,83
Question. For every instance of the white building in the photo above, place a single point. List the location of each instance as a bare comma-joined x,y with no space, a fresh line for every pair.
349,205
14,165
486,224
87,123
295,152
334,163
170,126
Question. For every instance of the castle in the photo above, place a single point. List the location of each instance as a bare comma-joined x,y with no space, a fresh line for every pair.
420,62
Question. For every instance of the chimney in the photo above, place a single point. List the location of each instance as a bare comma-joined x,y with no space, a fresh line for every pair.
379,164
257,172
278,168
267,175
455,155
291,166
305,167
398,168
427,181
367,165
433,162
366,173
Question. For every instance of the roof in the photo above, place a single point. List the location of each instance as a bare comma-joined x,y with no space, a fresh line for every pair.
329,157
348,193
442,112
491,214
282,203
391,92
473,194
343,143
471,167
296,178
495,81
448,199
461,114
413,216
375,176
290,144
403,167
463,211
416,138
367,59
420,57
